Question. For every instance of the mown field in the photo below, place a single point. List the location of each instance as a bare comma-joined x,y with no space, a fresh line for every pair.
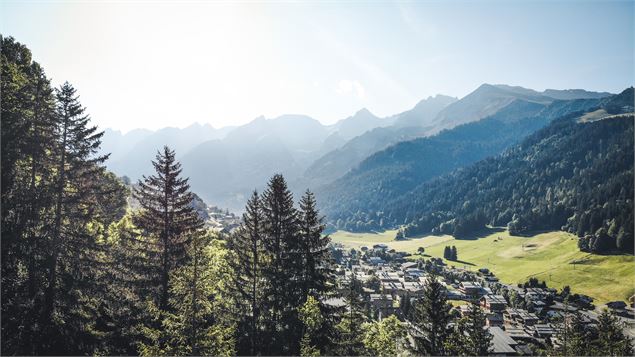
551,256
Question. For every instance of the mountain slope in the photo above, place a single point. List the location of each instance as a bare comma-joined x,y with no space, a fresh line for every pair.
401,167
357,124
423,113
225,171
572,175
403,126
488,99
132,152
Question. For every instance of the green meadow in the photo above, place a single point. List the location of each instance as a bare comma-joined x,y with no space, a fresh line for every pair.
550,256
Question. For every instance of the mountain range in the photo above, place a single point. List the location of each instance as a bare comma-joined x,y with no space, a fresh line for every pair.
226,164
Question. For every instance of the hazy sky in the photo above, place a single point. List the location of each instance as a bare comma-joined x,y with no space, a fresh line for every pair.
161,63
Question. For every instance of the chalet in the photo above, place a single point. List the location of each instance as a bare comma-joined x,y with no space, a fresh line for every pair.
502,344
521,316
518,333
542,330
493,303
386,276
376,261
471,289
381,302
408,265
413,289
494,319
390,287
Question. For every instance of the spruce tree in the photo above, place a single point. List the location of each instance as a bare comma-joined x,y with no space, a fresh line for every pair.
349,339
470,337
431,317
611,338
196,323
249,282
312,319
282,244
316,266
74,229
453,255
168,220
26,140
446,253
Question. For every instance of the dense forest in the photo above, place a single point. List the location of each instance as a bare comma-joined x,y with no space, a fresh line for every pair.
82,273
402,167
570,175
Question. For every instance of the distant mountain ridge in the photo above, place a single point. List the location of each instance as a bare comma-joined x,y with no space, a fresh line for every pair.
225,164
401,167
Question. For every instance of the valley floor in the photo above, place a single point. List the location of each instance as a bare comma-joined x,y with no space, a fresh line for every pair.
551,256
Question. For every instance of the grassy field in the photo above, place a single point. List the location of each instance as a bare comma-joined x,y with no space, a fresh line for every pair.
551,256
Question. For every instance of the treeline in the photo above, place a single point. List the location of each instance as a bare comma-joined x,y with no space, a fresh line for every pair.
356,202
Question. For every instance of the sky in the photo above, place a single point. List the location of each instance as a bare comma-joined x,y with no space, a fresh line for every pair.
152,64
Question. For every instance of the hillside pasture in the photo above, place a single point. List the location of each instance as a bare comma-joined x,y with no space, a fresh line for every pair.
550,256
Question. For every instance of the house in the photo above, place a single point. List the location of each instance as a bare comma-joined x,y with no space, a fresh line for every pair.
522,316
518,333
542,330
413,289
471,289
390,287
381,302
386,276
502,344
494,319
376,261
408,265
493,303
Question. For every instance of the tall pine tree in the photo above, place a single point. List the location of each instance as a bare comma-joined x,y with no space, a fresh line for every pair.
168,219
431,318
249,281
284,293
315,264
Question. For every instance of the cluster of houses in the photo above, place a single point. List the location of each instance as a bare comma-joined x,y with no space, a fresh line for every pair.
221,220
519,318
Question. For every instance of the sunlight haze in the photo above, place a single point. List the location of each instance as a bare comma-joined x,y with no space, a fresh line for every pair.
152,65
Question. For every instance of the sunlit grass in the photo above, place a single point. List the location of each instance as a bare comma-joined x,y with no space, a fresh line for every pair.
552,256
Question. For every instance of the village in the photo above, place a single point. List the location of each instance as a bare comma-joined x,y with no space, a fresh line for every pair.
521,318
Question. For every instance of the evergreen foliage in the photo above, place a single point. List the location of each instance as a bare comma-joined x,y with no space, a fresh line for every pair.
168,220
430,318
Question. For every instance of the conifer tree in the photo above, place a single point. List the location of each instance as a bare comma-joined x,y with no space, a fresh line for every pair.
26,138
453,254
316,265
282,244
431,317
470,336
249,282
312,319
611,338
196,323
169,221
349,331
75,225
385,337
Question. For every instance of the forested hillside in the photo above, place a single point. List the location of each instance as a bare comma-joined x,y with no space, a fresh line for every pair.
570,175
402,167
